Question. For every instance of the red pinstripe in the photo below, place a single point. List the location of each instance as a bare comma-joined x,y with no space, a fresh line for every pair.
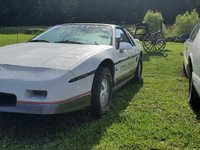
50,103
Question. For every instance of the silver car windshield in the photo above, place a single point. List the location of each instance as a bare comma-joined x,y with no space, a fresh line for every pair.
77,34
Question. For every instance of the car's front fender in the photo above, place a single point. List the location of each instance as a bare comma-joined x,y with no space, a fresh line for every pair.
85,70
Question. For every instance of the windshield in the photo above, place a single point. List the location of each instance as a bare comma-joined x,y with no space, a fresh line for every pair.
77,34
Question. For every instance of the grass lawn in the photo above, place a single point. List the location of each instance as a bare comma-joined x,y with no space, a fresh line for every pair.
13,35
150,114
14,38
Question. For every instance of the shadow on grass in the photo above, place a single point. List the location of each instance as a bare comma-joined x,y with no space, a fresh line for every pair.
42,129
195,106
196,109
146,56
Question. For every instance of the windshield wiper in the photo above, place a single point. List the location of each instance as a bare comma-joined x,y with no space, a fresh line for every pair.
66,41
38,41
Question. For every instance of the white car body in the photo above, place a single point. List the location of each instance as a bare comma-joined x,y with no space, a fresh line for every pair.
192,57
51,78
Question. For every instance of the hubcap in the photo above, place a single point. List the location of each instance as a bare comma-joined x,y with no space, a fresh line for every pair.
104,92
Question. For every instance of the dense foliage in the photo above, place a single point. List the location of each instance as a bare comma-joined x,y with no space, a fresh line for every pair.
51,12
186,22
154,21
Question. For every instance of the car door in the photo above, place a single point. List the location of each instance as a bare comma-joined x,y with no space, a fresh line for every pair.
127,58
133,53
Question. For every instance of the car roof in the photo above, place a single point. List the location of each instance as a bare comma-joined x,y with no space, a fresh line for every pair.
104,24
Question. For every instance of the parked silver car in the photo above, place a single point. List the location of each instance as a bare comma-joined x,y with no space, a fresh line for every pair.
191,64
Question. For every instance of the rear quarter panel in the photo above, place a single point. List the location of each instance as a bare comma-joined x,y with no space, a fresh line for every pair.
194,53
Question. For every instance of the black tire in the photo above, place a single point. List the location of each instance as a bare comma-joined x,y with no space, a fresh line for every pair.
184,71
193,98
138,73
101,92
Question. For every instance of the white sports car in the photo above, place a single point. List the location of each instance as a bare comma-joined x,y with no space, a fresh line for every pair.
68,67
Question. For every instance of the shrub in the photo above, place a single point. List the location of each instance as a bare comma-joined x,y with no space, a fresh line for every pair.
33,31
154,20
185,23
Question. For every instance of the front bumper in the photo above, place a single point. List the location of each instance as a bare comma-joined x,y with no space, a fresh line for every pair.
60,95
71,104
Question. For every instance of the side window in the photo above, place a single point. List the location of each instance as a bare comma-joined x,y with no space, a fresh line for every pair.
122,36
194,32
129,35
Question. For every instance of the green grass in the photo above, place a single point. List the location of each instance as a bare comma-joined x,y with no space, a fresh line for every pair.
13,35
150,114
14,38
15,30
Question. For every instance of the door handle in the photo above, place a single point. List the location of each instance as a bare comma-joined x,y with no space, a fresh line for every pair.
121,50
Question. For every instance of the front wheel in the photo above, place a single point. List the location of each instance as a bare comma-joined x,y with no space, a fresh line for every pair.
101,91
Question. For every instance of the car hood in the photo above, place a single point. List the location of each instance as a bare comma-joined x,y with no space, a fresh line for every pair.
50,55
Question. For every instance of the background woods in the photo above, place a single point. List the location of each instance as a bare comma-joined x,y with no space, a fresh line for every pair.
51,12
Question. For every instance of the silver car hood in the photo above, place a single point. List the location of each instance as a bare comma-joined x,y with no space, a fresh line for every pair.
50,55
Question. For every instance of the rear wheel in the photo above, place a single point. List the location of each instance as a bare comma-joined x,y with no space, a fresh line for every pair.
101,91
193,98
138,73
184,71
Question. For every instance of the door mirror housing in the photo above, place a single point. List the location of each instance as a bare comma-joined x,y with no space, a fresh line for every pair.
124,45
185,36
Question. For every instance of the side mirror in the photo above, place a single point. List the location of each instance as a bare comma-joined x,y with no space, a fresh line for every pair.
185,36
124,45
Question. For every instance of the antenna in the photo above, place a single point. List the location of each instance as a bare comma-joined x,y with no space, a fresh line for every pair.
17,37
136,19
